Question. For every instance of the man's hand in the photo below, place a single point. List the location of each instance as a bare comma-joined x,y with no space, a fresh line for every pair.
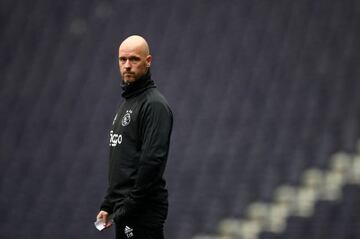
104,217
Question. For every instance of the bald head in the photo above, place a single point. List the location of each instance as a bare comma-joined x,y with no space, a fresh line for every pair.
134,58
136,43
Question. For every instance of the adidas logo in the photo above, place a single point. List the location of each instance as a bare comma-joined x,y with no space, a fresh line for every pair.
128,229
128,232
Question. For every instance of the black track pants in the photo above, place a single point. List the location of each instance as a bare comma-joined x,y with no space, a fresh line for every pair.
132,231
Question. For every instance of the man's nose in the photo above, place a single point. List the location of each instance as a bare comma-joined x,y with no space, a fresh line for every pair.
127,64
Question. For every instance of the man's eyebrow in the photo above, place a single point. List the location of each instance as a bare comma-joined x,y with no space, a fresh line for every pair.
133,56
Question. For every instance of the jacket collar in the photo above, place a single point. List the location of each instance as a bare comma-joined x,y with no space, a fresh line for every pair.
138,86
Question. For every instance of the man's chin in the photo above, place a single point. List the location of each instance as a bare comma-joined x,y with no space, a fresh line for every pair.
128,80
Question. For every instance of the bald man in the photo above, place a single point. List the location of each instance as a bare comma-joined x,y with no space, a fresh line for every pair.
136,198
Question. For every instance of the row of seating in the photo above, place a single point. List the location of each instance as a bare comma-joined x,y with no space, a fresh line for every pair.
261,91
292,206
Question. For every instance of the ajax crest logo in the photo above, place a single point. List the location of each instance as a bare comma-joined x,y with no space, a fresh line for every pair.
127,118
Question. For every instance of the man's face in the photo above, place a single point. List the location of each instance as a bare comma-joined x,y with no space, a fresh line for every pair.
133,63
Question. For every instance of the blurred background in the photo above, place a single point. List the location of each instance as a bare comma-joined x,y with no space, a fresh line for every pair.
265,96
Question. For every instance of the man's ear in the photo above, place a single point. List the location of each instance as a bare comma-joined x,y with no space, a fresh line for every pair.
148,60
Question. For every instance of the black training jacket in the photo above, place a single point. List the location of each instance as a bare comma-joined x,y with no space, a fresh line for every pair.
139,146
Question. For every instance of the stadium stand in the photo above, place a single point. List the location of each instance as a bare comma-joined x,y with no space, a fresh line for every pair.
263,93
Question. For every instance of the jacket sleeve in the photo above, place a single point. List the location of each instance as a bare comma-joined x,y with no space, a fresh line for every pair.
155,130
106,205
